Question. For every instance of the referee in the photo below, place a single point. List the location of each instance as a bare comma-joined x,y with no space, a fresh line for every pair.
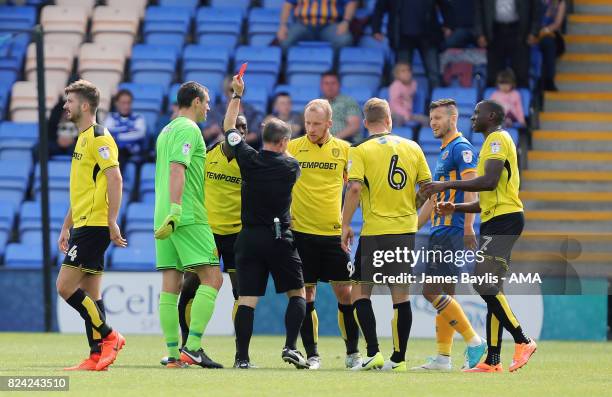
265,243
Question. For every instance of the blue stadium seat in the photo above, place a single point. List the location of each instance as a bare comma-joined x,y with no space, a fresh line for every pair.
139,217
148,100
153,64
264,65
466,98
23,256
140,239
18,135
305,64
464,125
404,132
147,178
30,216
132,258
167,25
359,94
189,4
263,25
7,215
219,26
14,175
273,3
361,66
34,237
258,98
428,143
300,95
432,159
368,41
514,133
240,4
17,19
207,65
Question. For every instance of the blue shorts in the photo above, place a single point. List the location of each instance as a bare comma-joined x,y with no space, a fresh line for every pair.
448,245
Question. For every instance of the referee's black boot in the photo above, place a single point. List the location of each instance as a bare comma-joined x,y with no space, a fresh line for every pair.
243,364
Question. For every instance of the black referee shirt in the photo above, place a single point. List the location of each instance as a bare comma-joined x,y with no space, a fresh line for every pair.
267,180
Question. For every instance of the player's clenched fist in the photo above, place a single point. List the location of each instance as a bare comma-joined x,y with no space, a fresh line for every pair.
170,223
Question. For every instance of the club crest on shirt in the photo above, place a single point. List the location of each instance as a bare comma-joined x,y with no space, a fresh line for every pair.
445,155
186,149
335,152
467,156
495,147
104,152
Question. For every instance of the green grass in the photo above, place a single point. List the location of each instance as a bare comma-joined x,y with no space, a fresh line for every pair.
557,369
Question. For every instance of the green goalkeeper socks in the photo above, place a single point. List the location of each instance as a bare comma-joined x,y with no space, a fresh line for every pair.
201,311
168,318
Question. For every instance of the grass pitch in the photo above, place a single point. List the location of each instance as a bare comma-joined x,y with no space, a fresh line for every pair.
557,369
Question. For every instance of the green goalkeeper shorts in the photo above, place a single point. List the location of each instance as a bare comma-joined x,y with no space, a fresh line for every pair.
188,247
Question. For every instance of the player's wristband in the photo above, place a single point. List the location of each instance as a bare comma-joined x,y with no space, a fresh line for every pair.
236,96
176,210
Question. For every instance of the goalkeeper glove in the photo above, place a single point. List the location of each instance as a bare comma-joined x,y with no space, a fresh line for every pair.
171,222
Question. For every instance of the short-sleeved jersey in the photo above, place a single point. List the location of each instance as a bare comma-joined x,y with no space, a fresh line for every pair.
389,168
316,207
94,153
181,142
457,157
222,199
505,198
318,12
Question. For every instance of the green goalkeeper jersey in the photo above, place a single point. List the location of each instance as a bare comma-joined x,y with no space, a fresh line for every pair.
181,142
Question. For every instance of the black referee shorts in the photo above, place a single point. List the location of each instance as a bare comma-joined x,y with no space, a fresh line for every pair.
498,235
225,248
86,248
322,258
259,254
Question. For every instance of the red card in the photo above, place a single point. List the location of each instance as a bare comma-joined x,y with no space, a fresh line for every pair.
242,69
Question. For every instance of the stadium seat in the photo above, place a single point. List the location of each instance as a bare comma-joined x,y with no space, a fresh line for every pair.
432,159
258,98
139,217
305,64
12,51
167,25
65,24
58,63
135,6
88,5
30,217
35,237
115,25
148,99
132,258
189,4
404,132
207,65
141,239
464,125
241,4
263,24
102,64
359,94
361,66
147,178
17,19
24,256
7,216
427,141
18,135
153,64
300,95
264,65
466,98
24,100
219,26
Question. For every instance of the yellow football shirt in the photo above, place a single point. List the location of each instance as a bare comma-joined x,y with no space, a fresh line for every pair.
94,153
389,168
316,206
222,199
505,198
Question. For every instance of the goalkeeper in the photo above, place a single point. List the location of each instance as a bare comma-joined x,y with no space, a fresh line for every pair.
184,240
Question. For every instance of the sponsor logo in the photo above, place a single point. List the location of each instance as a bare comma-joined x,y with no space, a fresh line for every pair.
77,156
222,177
318,164
445,155
104,152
